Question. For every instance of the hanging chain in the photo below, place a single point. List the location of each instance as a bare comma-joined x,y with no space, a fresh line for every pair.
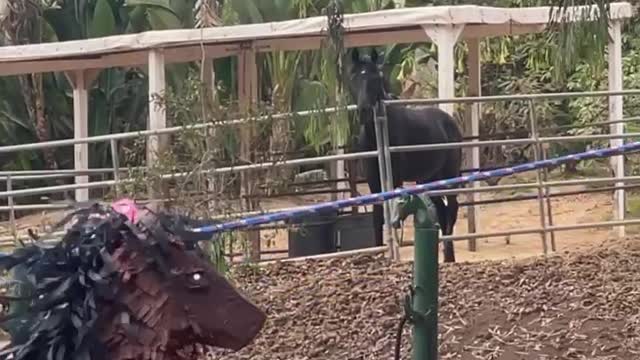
335,21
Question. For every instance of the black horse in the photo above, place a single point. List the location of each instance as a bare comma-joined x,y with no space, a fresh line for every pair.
407,126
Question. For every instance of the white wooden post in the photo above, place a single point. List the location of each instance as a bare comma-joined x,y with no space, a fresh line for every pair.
81,81
157,113
472,120
616,113
209,82
445,37
247,98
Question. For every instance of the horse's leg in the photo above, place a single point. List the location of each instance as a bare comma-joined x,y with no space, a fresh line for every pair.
447,245
452,213
378,222
441,210
452,217
378,213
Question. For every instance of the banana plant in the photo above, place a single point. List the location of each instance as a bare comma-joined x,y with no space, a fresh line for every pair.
22,23
117,99
281,69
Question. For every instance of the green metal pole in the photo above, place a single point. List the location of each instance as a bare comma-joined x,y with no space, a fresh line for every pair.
423,309
425,282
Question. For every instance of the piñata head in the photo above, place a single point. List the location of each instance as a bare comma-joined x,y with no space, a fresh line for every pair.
118,290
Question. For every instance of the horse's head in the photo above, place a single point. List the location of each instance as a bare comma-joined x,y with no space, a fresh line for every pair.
366,82
116,290
177,300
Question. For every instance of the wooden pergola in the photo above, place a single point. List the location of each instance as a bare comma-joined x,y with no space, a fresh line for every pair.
82,60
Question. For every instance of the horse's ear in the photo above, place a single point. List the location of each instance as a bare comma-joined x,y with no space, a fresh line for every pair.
375,57
355,56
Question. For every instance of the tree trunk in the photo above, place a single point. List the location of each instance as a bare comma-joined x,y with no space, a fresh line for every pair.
21,25
280,140
41,123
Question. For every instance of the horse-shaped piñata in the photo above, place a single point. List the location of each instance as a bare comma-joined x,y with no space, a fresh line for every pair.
122,285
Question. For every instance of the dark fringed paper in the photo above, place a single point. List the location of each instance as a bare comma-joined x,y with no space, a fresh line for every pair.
115,290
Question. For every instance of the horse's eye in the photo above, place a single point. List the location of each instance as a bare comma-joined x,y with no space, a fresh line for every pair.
197,280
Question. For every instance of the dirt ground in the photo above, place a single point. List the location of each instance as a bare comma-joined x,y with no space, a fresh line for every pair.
581,305
499,303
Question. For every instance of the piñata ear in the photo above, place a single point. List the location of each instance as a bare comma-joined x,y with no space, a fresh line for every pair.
127,207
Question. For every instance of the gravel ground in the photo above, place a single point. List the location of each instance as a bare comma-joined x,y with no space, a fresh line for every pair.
575,306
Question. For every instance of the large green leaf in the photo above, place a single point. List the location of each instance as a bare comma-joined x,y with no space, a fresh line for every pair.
313,130
184,11
12,121
103,22
137,19
275,10
64,23
99,124
224,69
247,11
164,4
161,19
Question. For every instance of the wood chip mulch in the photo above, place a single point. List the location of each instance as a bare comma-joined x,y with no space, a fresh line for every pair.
576,306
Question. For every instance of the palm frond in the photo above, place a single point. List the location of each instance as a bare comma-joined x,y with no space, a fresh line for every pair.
580,29
207,13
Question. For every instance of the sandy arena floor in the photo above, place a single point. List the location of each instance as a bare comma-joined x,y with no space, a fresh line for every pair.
567,210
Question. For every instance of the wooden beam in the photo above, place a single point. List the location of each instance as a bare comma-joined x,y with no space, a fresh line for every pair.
373,28
472,127
81,81
129,59
616,113
480,31
445,37
247,99
157,113
72,64
187,53
394,36
195,52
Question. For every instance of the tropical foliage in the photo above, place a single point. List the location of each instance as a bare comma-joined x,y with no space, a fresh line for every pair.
39,107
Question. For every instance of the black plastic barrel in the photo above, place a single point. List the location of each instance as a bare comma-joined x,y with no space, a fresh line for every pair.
355,231
312,235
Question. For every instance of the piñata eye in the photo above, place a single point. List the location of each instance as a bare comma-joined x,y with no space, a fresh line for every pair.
197,280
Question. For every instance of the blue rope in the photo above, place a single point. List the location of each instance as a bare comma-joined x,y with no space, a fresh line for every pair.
384,196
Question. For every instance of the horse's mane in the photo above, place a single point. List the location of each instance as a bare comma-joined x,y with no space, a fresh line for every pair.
53,308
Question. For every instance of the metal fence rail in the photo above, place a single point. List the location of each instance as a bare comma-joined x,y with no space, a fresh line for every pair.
310,161
31,175
484,189
417,189
165,131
